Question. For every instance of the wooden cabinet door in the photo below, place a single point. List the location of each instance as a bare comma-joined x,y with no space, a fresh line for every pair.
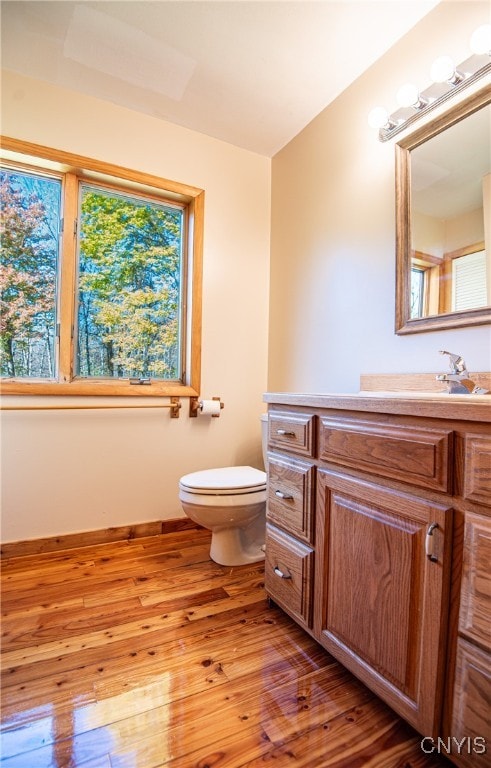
475,595
382,581
471,725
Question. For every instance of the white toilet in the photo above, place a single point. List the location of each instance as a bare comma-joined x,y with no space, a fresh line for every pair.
231,502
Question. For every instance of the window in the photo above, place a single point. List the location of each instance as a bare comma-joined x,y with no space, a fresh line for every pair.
128,290
31,211
417,292
100,277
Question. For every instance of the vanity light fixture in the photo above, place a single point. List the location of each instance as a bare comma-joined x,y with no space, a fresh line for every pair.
443,71
409,96
447,80
481,40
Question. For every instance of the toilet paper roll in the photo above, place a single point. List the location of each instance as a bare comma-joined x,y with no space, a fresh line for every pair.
209,408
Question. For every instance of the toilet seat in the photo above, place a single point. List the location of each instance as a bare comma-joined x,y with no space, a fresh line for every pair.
225,481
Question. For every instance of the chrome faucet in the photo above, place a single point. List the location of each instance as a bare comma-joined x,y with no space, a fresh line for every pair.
459,382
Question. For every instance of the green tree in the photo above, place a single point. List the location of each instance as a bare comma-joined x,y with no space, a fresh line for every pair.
129,286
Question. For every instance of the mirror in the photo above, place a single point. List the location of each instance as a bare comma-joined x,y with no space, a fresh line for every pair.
443,220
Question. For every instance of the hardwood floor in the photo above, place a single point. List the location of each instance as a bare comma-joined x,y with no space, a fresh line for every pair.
145,653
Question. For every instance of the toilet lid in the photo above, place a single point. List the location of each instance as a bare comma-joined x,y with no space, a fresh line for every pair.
225,480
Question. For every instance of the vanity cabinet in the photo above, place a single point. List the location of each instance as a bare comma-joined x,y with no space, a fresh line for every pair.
379,544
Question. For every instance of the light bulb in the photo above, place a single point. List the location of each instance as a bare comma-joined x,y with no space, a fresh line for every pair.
442,70
378,117
408,95
481,40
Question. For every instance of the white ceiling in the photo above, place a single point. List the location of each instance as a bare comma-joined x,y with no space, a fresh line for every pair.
249,72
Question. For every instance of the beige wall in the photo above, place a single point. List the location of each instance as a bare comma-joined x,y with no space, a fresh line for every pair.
64,472
440,236
333,231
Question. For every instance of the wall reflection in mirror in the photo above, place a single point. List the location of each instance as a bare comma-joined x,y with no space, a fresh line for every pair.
444,220
450,208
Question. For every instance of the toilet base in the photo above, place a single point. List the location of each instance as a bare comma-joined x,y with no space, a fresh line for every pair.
229,548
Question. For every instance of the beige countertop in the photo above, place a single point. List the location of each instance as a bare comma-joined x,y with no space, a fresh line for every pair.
430,404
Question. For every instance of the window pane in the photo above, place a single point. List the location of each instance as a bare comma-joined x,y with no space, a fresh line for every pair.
129,286
28,276
417,293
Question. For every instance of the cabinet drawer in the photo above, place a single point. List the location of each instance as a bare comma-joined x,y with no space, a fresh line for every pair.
471,725
477,475
291,432
414,455
475,597
289,574
290,496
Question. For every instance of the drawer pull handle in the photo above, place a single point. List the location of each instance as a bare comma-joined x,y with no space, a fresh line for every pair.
281,574
285,433
429,543
281,495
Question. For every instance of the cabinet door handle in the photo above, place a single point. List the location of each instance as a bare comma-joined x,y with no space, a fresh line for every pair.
281,495
430,542
285,433
281,574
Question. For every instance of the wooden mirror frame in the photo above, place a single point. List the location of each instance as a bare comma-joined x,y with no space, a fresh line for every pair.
404,323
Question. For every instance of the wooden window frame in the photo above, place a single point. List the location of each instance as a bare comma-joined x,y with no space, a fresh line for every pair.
73,169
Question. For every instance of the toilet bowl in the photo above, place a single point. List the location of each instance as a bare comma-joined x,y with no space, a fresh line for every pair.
231,502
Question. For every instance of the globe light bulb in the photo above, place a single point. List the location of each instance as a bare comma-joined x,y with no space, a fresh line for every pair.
408,95
442,70
481,40
378,117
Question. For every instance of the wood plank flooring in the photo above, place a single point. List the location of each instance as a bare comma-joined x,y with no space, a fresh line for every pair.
145,653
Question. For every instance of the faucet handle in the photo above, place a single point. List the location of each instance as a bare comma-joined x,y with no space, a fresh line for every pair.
456,362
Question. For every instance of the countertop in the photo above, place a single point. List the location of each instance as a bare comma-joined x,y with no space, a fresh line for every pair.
430,404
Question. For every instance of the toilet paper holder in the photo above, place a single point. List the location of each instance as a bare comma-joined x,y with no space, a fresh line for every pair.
196,407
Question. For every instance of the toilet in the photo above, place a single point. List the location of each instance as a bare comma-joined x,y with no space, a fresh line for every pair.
231,502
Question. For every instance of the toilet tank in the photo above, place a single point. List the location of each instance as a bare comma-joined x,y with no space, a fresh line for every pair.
264,437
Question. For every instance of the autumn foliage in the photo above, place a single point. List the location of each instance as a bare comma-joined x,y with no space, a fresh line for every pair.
27,279
128,289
